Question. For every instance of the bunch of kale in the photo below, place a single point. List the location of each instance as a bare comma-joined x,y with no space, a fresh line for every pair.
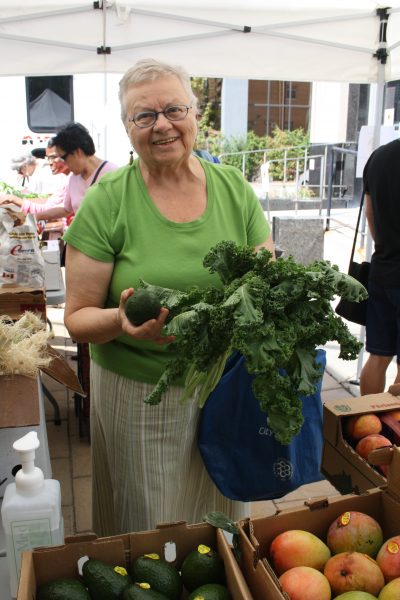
276,313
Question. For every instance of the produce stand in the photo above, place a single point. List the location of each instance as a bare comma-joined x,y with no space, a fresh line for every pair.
256,535
44,564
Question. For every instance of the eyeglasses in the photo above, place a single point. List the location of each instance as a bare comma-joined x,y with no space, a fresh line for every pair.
149,117
64,156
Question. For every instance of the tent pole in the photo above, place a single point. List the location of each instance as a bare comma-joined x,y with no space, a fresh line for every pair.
381,55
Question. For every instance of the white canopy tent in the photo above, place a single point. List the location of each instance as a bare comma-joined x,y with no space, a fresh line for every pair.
297,40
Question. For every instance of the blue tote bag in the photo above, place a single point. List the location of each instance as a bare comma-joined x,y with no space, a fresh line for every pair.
239,451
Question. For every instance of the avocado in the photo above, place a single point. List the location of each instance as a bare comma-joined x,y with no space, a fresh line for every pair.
210,591
201,566
160,574
103,581
141,591
63,589
142,306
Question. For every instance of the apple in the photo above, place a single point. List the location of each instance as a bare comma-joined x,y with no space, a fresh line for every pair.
358,426
391,591
354,531
388,558
354,571
355,596
298,548
371,442
305,583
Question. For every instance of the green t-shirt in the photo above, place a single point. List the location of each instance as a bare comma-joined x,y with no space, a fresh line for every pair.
119,223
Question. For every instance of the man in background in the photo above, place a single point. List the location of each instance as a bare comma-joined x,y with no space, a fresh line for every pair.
382,209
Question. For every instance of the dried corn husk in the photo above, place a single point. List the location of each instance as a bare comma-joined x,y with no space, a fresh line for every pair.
23,345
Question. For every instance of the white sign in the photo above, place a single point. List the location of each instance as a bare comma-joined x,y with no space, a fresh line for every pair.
366,143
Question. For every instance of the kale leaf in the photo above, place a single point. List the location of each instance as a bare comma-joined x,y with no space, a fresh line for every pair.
275,312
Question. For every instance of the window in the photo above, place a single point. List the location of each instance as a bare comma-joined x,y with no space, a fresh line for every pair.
49,102
290,93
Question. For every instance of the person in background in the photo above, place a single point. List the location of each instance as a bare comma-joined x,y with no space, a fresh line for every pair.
60,171
154,220
75,147
382,193
34,174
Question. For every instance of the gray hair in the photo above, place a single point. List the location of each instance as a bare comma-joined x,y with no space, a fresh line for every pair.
149,69
22,160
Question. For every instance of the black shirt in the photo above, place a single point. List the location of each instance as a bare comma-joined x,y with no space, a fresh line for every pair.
382,183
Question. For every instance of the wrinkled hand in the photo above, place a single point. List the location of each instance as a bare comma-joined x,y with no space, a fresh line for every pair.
150,330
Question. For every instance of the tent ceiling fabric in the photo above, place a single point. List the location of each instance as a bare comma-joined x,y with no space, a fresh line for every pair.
258,39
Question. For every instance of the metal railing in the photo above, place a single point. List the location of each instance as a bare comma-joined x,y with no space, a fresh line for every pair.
331,180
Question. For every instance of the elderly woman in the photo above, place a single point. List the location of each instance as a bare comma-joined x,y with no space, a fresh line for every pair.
60,173
155,219
34,174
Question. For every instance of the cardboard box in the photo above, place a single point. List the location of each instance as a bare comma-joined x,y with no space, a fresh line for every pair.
256,535
21,410
341,464
52,269
43,564
14,301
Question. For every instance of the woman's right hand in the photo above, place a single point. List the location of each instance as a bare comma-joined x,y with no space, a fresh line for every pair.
149,330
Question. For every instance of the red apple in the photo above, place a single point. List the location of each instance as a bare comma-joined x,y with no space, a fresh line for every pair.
391,591
371,442
388,558
305,583
298,548
354,571
355,531
358,426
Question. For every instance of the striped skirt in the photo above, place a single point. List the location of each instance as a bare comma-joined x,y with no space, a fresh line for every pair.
146,466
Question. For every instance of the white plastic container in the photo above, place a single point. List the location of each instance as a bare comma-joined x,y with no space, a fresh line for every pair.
31,509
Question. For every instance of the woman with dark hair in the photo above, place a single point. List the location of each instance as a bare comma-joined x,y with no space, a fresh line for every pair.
75,147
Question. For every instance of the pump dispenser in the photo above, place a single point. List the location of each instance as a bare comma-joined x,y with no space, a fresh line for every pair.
31,509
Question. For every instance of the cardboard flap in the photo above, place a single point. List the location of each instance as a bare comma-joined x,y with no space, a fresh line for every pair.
109,550
390,456
60,370
183,536
19,405
363,404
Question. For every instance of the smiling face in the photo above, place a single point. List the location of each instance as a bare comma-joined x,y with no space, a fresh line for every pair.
165,143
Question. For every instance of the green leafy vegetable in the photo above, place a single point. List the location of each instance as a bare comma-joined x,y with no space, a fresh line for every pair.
5,188
276,313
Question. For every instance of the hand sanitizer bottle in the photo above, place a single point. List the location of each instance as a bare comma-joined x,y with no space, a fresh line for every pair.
31,509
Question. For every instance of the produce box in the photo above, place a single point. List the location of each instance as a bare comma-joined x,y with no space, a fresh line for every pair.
22,410
173,540
256,535
14,301
341,464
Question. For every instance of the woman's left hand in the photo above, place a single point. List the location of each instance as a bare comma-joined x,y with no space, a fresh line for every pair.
149,330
